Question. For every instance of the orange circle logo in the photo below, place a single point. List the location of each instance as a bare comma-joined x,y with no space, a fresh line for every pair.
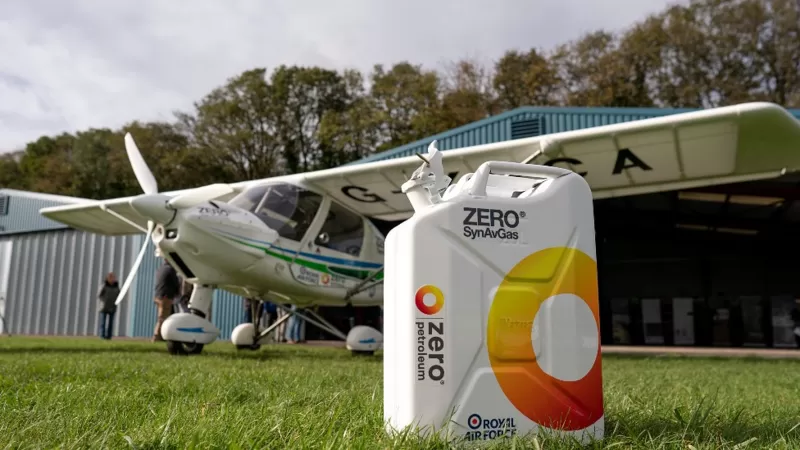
542,398
419,299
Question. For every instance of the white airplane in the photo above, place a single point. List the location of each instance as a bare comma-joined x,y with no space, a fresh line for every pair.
308,240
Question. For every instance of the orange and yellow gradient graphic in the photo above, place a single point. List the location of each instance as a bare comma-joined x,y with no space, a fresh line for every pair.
419,299
544,399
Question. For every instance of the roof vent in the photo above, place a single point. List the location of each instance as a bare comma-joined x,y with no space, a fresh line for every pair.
527,128
4,205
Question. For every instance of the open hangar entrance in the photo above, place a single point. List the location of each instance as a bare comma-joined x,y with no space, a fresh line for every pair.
712,266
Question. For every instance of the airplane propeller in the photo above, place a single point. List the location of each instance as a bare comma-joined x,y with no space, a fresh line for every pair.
156,205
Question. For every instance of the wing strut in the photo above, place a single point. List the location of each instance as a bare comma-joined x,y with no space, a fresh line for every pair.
122,218
364,285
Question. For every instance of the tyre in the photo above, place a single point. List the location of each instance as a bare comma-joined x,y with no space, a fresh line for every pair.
183,348
248,347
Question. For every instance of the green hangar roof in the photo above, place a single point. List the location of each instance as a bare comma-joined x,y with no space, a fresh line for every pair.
527,121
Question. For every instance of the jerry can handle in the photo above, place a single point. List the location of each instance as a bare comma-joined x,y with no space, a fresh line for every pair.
481,176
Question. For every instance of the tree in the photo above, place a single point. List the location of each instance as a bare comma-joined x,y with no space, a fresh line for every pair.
11,175
301,96
526,79
600,69
467,95
778,51
234,131
353,133
96,173
721,52
406,98
47,165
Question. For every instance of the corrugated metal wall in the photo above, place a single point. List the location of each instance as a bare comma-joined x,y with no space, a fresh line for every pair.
23,213
54,279
56,271
553,120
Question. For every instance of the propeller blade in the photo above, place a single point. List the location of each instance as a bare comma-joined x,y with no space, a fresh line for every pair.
143,174
128,281
200,195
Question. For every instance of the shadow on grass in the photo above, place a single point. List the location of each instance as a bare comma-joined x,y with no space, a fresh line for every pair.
283,353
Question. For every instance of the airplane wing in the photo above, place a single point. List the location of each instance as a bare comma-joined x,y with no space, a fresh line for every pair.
709,147
113,217
109,217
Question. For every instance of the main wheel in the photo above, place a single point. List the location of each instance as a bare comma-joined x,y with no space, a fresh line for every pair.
183,348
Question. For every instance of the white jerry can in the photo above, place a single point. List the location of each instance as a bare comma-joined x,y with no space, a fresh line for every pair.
491,311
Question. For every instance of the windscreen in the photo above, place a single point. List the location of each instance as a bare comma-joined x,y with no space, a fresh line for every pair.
286,208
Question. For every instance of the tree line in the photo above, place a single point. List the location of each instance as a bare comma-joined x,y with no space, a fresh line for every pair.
293,119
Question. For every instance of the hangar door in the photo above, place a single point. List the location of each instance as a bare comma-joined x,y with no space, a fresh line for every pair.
5,272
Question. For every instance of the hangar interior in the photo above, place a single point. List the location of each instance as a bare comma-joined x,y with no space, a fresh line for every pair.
707,267
714,266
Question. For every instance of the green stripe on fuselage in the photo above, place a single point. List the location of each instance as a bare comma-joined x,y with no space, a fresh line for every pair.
331,270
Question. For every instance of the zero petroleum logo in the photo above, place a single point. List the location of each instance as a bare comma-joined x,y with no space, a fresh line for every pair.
485,429
430,338
419,299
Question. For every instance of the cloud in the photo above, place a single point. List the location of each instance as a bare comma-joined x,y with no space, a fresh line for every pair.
69,65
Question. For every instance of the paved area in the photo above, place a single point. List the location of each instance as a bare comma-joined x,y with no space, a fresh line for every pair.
739,352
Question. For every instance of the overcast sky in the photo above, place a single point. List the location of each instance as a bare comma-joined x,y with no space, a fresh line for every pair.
67,65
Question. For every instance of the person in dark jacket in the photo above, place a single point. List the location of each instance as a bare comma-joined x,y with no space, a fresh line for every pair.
108,307
247,305
167,289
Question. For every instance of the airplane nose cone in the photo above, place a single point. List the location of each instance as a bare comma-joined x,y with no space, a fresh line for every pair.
152,207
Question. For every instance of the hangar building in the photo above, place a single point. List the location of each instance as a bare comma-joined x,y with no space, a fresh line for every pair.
708,267
50,275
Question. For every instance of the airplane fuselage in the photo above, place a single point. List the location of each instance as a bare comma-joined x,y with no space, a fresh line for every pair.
231,247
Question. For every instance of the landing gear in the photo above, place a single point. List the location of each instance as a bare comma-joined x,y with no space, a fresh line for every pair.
361,340
187,333
250,336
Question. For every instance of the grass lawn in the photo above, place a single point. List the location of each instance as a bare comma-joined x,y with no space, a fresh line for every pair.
85,393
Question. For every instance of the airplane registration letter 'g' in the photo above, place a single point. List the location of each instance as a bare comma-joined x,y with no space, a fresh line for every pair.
365,196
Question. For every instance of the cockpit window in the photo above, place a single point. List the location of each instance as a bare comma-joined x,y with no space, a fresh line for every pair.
248,199
343,231
286,208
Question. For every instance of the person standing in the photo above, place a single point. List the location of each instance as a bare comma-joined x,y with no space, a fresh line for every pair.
795,315
295,327
247,305
281,330
108,307
270,313
167,288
